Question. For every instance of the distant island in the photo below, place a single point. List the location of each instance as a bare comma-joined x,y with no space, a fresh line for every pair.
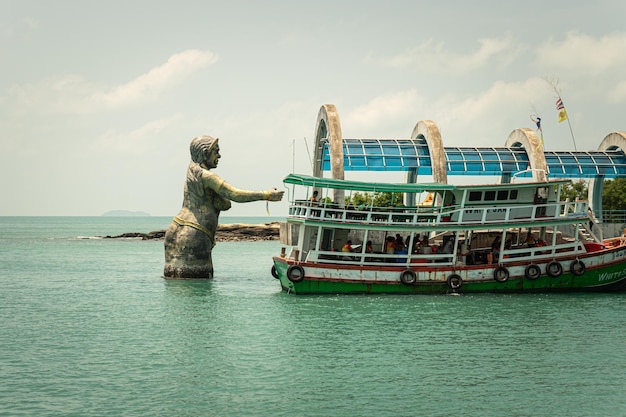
125,213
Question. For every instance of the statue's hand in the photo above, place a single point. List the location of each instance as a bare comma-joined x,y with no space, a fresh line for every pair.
275,195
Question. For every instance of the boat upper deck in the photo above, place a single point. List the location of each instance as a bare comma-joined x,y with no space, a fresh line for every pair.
433,219
469,206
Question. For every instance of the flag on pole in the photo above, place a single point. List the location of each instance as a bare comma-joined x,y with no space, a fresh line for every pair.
561,108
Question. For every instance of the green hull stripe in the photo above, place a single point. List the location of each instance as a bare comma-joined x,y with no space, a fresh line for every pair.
608,278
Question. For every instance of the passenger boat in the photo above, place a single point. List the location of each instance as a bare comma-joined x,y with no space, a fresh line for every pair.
509,237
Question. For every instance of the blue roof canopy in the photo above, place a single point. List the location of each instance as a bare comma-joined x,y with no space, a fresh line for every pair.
406,154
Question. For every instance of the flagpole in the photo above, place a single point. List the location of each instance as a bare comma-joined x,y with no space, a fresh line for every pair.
568,122
572,133
554,85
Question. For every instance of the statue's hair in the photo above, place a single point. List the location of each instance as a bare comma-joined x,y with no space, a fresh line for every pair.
200,146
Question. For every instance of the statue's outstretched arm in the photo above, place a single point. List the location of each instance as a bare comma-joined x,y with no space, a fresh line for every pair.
232,193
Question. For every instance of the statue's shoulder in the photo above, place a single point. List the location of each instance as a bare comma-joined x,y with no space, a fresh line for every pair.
212,179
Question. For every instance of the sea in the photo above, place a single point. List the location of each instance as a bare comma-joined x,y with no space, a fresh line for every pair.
89,327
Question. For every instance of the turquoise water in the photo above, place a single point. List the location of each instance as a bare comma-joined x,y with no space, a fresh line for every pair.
89,328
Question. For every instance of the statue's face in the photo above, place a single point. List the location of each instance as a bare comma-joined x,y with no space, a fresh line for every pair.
213,157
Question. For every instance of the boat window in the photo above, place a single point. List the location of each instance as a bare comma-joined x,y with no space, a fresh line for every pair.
475,195
503,195
513,195
490,195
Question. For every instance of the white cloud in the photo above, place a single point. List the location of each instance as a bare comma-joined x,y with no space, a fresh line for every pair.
588,55
67,94
381,112
494,112
157,80
75,95
484,117
590,67
433,57
137,141
399,112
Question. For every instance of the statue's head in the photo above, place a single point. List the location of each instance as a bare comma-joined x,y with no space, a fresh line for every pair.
205,151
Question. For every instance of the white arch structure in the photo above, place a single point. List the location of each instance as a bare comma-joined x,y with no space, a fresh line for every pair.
611,142
429,131
328,129
527,139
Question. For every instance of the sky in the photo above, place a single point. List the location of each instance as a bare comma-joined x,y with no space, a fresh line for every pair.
99,100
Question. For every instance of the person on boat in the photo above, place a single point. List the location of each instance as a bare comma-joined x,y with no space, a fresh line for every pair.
495,248
190,236
530,240
449,245
399,244
417,244
425,246
390,245
448,248
347,248
539,243
369,248
313,201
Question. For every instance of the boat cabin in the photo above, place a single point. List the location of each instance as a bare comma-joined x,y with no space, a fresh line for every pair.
446,223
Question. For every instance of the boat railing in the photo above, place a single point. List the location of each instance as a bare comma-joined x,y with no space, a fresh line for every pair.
430,259
330,212
613,216
541,252
570,208
395,259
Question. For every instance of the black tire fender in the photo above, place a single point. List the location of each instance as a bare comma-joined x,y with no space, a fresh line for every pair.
408,277
295,273
501,274
577,267
532,272
554,269
454,281
274,272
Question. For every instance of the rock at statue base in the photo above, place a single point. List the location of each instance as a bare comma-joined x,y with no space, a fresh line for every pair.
186,272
